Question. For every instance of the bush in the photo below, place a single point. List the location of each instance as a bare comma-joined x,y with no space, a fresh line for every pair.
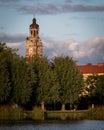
9,113
37,113
96,114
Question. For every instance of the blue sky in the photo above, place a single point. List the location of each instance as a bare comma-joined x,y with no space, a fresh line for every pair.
69,27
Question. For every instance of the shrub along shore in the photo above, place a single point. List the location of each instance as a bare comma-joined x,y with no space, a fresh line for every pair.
7,113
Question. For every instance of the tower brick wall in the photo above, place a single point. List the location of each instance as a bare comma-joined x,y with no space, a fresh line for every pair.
33,43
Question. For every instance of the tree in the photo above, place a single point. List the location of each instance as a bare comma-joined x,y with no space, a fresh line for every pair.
16,77
52,82
91,83
4,82
22,81
32,80
100,89
46,82
7,52
69,78
3,47
95,88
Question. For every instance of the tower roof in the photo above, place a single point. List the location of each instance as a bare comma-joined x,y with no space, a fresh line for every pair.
34,24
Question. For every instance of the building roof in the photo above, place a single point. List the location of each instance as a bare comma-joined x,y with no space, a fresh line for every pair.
91,69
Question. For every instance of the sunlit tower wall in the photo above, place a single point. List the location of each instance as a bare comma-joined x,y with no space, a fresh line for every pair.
33,43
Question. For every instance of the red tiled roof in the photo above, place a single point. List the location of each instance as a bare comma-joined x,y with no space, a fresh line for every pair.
91,69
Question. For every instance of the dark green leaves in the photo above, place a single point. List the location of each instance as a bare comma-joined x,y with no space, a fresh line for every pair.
69,78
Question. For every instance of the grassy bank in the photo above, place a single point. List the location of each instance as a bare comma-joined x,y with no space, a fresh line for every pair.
91,114
96,113
35,114
8,113
71,115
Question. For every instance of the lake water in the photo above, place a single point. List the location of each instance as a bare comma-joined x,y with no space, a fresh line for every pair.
53,125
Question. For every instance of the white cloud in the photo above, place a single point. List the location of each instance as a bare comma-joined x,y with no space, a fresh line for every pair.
91,51
18,45
13,45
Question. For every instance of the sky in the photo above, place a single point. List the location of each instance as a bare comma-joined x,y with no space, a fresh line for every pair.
73,28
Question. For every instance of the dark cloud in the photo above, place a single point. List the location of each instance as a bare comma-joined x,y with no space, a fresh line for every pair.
75,8
41,9
52,8
68,1
7,1
12,38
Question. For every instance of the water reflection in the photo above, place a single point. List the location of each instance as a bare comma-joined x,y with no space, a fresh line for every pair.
53,125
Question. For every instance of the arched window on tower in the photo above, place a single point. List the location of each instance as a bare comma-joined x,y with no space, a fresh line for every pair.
37,32
31,32
34,33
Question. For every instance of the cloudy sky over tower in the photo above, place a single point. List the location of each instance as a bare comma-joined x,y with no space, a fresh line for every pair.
69,27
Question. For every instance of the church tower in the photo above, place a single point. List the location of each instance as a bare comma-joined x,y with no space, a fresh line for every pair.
33,42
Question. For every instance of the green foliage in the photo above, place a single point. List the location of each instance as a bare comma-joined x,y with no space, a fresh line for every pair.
7,52
100,89
4,81
95,88
37,114
4,74
46,81
43,81
9,113
91,84
69,78
15,77
95,114
21,81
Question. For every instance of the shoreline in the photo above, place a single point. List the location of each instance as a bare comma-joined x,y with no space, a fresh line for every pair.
38,115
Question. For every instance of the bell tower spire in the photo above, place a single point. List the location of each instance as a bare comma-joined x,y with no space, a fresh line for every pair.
33,42
34,29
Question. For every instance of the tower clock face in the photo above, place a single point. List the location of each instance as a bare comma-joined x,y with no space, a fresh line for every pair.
30,50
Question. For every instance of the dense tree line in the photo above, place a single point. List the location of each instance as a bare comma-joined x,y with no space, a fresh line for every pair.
42,81
95,89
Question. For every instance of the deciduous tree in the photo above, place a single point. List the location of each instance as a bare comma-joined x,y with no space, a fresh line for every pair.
69,78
